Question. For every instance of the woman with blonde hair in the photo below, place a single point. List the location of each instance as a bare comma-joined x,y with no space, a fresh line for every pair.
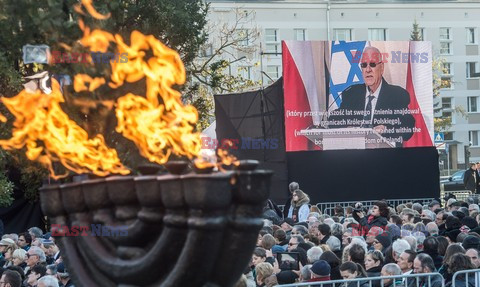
8,254
264,273
18,258
299,209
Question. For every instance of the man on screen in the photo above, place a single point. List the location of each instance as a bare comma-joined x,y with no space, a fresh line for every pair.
375,104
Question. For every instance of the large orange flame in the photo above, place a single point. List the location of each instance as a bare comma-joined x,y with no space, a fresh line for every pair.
157,127
39,118
159,124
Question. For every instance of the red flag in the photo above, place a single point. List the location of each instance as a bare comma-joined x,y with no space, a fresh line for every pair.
421,137
296,100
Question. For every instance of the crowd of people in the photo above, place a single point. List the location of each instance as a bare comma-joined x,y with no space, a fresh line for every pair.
302,244
32,259
357,242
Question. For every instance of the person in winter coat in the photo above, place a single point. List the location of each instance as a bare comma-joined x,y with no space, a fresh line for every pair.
299,209
470,180
373,265
392,269
291,188
460,262
350,270
379,216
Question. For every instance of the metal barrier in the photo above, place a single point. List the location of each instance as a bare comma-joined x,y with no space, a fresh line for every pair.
424,279
461,195
470,276
328,207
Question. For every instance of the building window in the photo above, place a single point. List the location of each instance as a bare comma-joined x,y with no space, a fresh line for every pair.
272,44
271,35
446,103
472,104
471,39
343,34
242,37
273,48
447,69
245,72
445,34
273,72
448,136
472,70
300,34
445,48
206,51
377,34
473,137
446,83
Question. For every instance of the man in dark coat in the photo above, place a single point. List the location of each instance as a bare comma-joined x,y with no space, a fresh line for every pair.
430,247
375,104
470,180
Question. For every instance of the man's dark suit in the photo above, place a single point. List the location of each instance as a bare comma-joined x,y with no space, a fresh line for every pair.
390,99
470,180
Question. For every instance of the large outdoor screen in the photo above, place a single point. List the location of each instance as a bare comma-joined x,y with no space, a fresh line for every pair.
357,95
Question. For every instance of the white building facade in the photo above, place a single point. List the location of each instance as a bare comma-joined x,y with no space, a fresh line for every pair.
451,26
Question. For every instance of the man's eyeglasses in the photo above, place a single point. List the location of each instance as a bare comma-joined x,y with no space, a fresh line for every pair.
376,242
372,65
291,244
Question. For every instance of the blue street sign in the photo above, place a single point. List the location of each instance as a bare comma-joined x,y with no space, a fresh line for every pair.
439,138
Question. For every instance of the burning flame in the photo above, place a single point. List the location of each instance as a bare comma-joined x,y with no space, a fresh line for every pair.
39,118
158,128
208,160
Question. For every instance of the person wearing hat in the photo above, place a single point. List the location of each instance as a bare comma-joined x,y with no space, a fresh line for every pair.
452,235
471,242
4,244
320,271
382,241
287,225
286,277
